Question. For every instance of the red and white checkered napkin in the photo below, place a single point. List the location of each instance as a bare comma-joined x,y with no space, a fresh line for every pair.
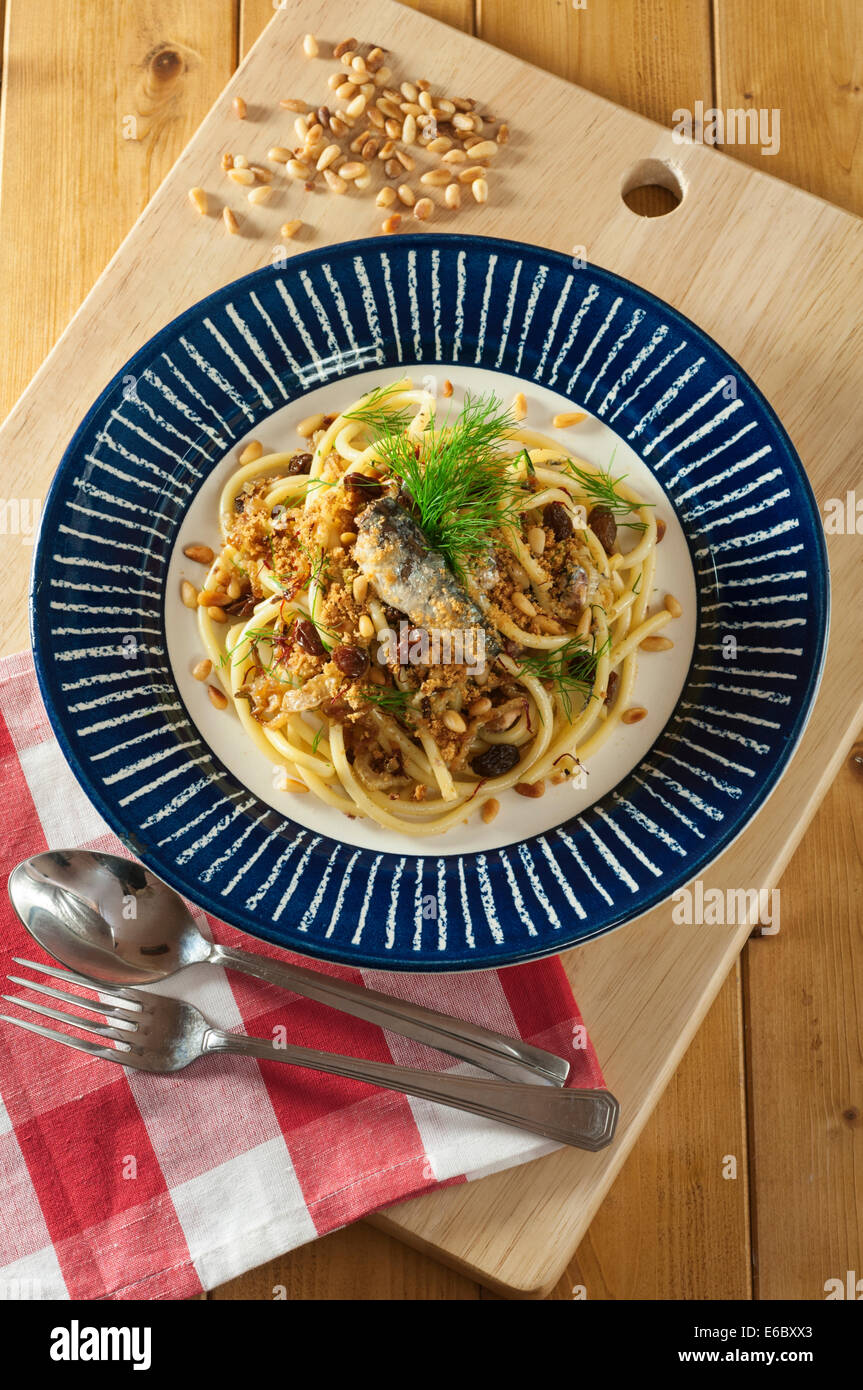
115,1183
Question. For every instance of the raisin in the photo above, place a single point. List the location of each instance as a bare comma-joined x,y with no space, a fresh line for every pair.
612,687
300,463
496,760
306,636
557,519
603,525
365,487
353,662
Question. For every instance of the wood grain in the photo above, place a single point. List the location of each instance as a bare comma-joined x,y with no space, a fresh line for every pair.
806,61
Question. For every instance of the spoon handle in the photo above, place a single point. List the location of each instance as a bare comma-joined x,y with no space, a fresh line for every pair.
507,1057
585,1119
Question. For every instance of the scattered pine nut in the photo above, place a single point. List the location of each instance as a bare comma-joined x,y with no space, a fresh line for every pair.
217,697
252,451
291,784
386,197
354,169
217,613
201,554
436,178
290,229
519,407
660,529
452,195
454,157
296,169
241,175
335,182
307,427
227,162
673,605
330,153
310,46
447,388
490,809
479,189
406,195
348,537
523,604
294,104
360,588
533,789
480,707
483,149
260,194
406,161
503,135
365,626
199,198
536,539
633,715
346,46
202,670
240,108
454,721
189,594
423,209
279,154
232,226
567,418
656,644
471,174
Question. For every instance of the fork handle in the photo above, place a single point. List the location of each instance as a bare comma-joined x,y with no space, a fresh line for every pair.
585,1119
508,1057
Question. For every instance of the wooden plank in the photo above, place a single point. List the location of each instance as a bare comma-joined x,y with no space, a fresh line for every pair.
806,61
646,988
356,1264
256,14
675,1224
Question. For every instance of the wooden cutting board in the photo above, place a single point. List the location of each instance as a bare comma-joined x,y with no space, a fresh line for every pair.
771,272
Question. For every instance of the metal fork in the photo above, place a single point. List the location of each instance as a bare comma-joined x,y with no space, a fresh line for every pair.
155,1033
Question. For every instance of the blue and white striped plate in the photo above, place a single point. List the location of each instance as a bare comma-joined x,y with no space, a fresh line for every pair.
744,546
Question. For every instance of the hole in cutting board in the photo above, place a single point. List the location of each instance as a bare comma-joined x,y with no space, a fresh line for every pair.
652,188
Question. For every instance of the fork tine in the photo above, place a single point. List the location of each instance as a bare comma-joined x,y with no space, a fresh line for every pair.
87,1025
96,1005
80,1044
116,991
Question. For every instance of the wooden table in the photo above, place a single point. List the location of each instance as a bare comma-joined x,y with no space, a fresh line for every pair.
777,1059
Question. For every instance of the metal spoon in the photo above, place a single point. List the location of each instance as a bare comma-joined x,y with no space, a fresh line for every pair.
110,919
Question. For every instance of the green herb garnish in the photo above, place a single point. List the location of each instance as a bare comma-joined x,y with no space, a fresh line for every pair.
389,698
601,489
372,411
571,668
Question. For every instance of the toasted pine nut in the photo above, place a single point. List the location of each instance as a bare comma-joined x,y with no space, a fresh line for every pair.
446,389
294,104
406,160
483,149
227,162
310,46
369,148
240,108
202,669
301,127
656,644
471,174
463,121
353,170
374,59
519,406
217,613
347,57
454,722
250,452
409,91
348,537
633,715
199,198
345,91
490,809
218,698
189,594
330,153
480,706
391,224
409,130
406,195
231,224
241,175
423,209
365,626
209,598
536,539
346,46
382,76
533,789
335,183
440,145
454,157
674,606
291,784
660,529
279,154
260,194
523,604
261,174
452,195
360,588
201,554
374,117
307,427
436,178
393,169
479,189
296,169
386,197
357,106
503,135
290,229
567,418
